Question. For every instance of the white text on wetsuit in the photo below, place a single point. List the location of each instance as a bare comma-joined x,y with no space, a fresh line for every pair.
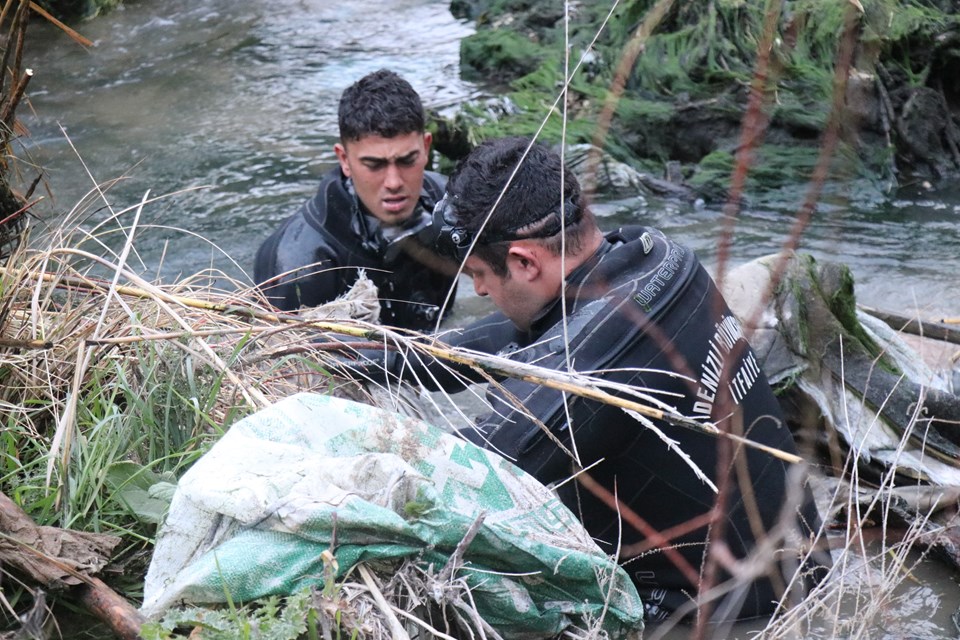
726,334
666,271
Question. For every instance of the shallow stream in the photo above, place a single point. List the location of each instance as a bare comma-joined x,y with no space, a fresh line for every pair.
235,102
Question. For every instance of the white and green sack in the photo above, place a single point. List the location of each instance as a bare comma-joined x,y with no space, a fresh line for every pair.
252,517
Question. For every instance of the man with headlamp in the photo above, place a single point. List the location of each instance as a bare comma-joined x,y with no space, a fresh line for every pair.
637,309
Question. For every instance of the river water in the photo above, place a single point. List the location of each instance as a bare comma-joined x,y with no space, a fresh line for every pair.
236,100
227,108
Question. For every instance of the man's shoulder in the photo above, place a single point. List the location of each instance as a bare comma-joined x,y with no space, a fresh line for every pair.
331,200
634,245
434,184
309,225
315,206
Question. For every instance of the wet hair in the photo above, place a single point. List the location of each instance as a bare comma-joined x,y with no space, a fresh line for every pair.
380,103
529,205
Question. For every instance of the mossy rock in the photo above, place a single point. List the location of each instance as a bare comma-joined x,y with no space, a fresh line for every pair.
700,63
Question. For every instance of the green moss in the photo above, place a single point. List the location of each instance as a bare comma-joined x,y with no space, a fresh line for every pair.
795,111
702,49
775,166
800,292
637,112
500,53
686,94
531,104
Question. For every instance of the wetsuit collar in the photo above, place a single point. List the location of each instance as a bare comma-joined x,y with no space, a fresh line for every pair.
374,237
553,311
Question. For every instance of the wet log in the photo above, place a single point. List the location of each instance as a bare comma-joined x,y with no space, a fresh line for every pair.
61,559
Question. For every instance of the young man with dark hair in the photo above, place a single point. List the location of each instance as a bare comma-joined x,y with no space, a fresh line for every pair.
638,310
366,214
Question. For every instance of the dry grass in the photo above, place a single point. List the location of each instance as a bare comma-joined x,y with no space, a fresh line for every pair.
103,369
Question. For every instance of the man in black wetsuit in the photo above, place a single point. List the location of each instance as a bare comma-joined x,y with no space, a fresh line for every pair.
366,214
639,309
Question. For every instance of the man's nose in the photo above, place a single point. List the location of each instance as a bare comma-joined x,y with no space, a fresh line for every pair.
479,288
393,180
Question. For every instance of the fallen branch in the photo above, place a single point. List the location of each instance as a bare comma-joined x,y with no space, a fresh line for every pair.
60,559
76,37
915,326
109,607
569,382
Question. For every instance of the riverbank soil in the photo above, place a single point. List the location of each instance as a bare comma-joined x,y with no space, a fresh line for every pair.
715,85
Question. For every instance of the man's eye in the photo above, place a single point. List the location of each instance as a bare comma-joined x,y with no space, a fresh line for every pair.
407,161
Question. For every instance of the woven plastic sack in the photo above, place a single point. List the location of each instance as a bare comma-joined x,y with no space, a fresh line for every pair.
253,515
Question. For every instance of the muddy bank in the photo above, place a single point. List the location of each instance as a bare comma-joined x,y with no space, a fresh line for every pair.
873,82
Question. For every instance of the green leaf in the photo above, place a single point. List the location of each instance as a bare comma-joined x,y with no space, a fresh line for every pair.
143,492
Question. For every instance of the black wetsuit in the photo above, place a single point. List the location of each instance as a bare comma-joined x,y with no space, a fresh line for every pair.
644,307
333,232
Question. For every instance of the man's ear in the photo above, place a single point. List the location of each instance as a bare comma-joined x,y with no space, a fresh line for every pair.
341,152
524,262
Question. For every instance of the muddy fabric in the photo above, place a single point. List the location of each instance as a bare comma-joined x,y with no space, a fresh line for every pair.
314,473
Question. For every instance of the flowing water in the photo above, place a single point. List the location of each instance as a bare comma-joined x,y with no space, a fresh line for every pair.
227,108
237,102
234,100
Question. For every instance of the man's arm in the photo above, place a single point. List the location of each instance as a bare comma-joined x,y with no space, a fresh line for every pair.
487,335
295,267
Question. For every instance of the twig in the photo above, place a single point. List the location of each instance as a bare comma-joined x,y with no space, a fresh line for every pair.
397,632
76,37
179,335
10,107
25,344
457,556
14,40
19,211
108,606
753,128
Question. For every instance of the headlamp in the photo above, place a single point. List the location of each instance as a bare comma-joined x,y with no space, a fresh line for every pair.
453,240
449,238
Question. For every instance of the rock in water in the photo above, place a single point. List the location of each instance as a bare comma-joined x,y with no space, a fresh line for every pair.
843,371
